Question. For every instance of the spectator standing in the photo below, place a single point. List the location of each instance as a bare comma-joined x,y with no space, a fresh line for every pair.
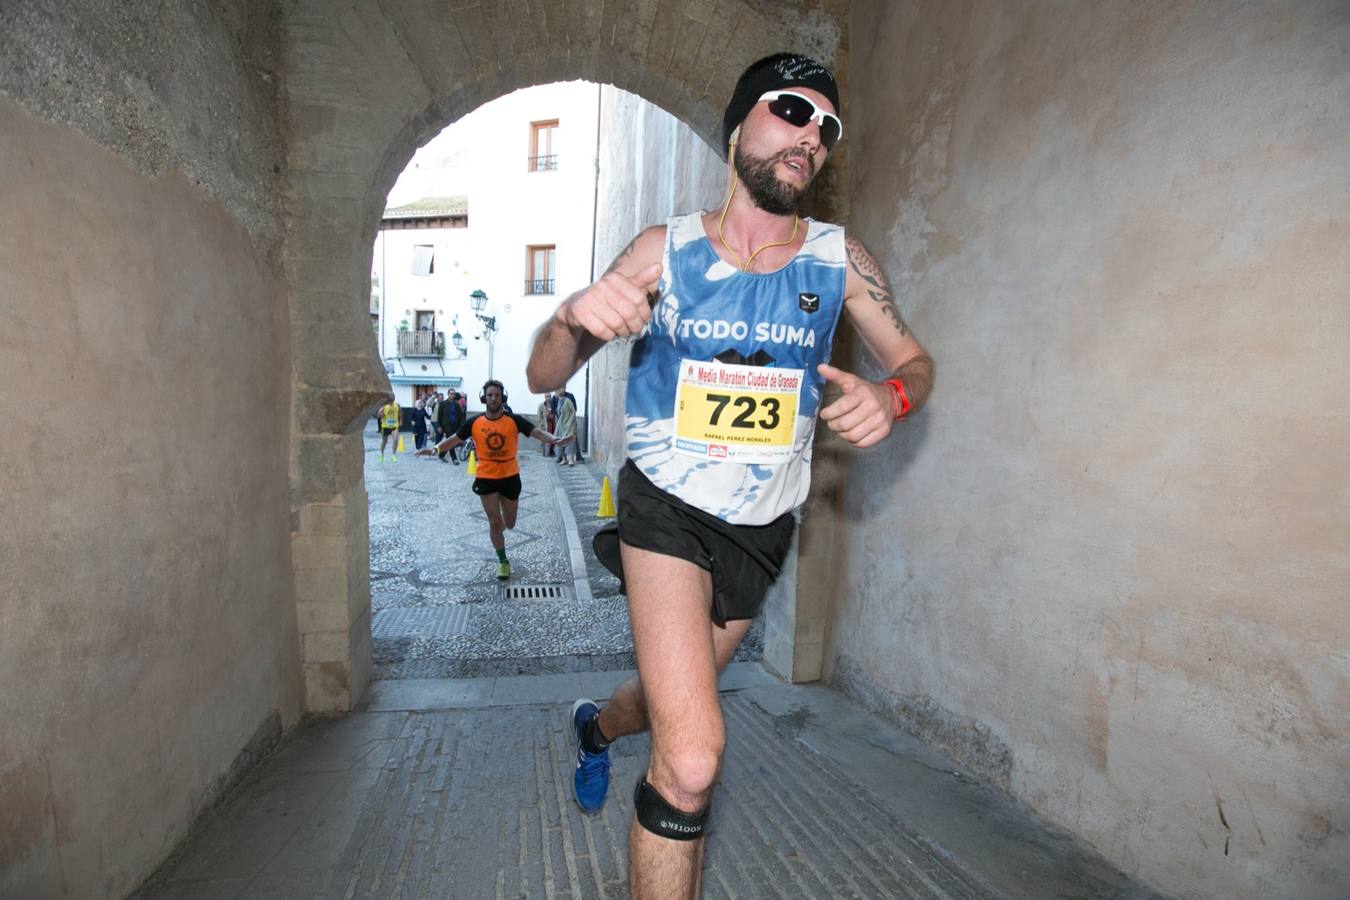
449,417
547,420
433,407
576,410
566,430
419,423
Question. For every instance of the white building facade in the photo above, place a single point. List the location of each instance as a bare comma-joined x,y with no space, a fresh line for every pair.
501,202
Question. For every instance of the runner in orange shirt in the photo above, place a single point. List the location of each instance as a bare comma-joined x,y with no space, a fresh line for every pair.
496,434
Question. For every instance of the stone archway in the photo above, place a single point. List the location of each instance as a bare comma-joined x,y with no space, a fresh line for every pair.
367,85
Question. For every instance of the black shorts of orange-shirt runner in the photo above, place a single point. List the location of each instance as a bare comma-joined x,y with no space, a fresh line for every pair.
508,487
743,560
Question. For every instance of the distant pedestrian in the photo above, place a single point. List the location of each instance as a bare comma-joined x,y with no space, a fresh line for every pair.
390,419
576,407
566,429
547,420
433,406
449,417
419,423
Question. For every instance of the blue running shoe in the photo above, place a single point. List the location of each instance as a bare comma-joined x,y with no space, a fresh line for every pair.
590,782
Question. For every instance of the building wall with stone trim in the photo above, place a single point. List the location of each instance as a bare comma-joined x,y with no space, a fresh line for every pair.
148,640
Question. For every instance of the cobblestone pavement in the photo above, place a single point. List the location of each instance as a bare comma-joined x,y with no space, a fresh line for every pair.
461,788
441,788
437,609
547,848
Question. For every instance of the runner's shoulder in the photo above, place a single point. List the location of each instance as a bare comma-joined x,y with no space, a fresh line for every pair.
647,248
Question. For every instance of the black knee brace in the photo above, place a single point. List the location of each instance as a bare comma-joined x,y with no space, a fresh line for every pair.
660,818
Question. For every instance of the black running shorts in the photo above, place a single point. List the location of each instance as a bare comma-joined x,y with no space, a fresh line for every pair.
742,559
508,487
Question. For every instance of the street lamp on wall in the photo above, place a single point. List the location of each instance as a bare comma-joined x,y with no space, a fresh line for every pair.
479,301
457,341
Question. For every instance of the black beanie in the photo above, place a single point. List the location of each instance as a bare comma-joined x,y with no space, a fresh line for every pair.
772,73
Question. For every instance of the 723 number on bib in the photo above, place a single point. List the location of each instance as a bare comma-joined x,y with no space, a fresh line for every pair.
748,406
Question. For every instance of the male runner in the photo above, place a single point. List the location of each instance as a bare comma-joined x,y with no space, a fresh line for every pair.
736,309
390,414
496,434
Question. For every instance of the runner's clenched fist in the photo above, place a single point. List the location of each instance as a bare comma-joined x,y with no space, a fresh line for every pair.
616,306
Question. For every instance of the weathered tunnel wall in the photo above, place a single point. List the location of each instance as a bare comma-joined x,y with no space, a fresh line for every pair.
147,621
1108,565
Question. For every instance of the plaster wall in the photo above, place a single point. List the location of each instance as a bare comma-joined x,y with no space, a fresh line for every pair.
1107,565
147,621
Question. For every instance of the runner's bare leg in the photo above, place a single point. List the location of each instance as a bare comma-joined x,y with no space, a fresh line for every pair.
493,508
509,508
626,711
669,601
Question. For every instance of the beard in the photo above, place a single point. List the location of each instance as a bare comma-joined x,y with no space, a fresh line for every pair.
769,192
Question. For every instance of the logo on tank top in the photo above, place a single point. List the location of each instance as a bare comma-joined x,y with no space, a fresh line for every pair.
764,332
808,302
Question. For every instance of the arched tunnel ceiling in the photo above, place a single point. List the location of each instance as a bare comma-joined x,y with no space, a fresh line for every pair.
368,83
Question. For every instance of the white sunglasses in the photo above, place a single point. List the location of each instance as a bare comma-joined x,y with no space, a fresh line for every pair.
797,110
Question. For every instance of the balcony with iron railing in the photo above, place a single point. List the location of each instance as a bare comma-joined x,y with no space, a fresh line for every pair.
538,285
544,163
421,342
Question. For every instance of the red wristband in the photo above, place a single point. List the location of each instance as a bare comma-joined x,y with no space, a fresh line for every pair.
902,404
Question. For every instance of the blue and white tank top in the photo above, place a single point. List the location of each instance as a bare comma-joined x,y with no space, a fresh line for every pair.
723,391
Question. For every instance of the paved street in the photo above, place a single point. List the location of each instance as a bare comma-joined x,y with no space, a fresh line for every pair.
437,608
453,777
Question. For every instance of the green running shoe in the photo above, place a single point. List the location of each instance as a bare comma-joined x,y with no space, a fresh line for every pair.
503,571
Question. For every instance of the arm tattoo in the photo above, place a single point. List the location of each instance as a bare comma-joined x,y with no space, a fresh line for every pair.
623,254
870,272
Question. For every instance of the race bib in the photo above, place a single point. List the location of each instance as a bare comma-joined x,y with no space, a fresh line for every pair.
745,414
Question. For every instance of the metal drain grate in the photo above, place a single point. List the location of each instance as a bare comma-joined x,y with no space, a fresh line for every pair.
436,621
536,592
